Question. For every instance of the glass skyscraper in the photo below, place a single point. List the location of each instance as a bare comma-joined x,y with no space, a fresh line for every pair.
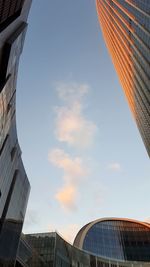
126,29
14,184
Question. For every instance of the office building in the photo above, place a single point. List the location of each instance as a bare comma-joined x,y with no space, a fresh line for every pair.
109,242
114,238
14,184
125,26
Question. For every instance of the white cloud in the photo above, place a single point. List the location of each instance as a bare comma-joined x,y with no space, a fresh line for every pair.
74,129
115,166
73,167
74,173
71,92
71,125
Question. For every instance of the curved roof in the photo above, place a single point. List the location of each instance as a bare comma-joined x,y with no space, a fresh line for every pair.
79,239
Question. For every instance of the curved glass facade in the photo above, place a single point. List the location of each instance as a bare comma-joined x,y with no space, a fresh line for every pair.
51,250
126,29
121,240
14,184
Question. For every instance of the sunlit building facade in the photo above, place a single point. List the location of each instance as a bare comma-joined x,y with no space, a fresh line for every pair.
14,184
126,29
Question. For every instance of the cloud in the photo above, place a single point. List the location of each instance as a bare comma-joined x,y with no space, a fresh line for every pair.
71,125
71,92
74,129
115,166
67,197
74,173
73,167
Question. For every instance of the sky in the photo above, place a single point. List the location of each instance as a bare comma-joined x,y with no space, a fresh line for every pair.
81,149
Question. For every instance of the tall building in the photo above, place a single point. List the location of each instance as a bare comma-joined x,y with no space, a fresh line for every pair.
126,29
14,184
110,242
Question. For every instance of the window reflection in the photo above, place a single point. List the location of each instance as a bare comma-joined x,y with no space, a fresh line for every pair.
119,240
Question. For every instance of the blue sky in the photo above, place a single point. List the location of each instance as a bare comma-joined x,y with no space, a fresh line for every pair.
81,148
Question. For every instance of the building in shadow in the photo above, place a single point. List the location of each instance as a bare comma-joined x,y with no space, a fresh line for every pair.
14,184
109,242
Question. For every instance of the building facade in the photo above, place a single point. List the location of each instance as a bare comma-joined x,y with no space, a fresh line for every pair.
126,29
116,239
51,250
14,184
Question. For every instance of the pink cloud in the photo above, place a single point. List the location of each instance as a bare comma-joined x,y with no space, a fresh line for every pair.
73,174
67,197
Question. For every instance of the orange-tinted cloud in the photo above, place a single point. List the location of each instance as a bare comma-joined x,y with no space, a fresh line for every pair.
67,197
74,129
73,175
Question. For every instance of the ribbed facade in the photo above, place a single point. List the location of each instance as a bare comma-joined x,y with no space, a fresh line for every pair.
126,29
14,184
9,11
51,250
116,239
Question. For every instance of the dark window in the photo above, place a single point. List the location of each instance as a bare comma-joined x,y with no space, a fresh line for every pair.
4,143
13,151
11,51
9,11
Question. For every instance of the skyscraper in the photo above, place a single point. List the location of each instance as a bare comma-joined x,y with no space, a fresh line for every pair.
14,184
126,29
